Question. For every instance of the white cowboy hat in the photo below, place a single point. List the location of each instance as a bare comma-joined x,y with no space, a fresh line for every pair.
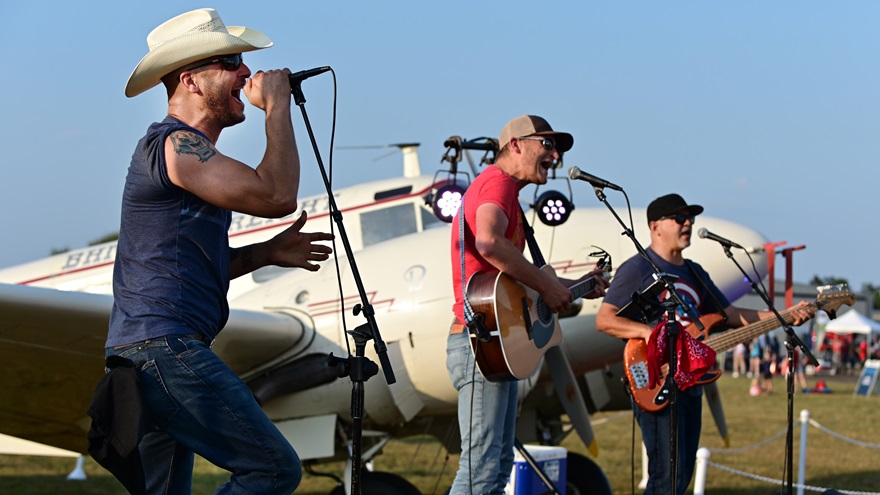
187,38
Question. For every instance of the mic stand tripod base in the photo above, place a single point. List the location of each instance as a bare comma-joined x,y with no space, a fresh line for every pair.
359,369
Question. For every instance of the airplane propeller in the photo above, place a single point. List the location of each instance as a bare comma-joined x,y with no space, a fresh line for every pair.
570,395
713,398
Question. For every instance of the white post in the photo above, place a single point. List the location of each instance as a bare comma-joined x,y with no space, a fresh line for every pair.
644,483
702,463
78,472
802,459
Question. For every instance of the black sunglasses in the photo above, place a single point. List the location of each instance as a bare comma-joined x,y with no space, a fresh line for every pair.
680,218
547,143
230,62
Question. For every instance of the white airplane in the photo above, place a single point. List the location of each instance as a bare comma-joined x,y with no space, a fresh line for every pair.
284,323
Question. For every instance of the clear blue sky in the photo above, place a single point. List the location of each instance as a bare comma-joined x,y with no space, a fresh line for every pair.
766,113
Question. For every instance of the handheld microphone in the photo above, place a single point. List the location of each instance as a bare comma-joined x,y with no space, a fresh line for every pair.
575,173
298,77
705,234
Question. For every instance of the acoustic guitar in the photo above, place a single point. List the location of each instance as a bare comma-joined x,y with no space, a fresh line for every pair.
521,326
653,399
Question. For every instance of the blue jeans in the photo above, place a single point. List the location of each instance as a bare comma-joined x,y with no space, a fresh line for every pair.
486,419
200,406
656,434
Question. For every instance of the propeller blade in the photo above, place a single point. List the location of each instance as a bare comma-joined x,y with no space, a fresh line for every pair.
570,395
713,398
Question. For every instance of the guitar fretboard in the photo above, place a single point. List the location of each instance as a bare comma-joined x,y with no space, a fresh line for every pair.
581,289
578,291
730,339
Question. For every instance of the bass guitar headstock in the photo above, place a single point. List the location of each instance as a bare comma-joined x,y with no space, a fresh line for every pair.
832,297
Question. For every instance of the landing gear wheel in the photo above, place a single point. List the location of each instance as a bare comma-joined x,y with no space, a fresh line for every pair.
379,483
585,476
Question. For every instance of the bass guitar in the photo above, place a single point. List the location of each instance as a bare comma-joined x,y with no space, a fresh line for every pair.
521,326
653,399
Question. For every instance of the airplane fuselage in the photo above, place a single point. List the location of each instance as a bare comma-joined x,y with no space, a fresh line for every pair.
402,254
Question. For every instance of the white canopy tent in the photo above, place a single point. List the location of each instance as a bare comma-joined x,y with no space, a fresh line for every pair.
852,322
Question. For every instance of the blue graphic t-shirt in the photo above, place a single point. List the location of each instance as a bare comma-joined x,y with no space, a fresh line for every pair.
636,274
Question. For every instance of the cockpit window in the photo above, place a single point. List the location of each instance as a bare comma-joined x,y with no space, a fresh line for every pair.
387,223
428,218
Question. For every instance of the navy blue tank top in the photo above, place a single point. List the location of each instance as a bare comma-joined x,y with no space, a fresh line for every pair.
172,261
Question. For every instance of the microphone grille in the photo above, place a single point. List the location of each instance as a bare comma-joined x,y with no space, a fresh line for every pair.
573,172
702,233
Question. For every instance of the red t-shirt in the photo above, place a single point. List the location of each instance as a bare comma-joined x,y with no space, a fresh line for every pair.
491,186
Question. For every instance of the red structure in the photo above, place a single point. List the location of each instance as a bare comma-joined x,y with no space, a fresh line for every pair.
788,254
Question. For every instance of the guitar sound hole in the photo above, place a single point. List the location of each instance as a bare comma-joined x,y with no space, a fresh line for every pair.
544,313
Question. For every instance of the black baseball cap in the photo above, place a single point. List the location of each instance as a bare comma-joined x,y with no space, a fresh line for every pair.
670,205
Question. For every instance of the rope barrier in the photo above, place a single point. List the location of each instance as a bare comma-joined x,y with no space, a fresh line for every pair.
751,447
779,482
801,487
704,453
611,418
815,423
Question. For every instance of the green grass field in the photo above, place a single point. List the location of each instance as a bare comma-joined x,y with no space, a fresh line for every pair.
831,462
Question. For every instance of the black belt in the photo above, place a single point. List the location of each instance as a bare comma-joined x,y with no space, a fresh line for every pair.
199,336
194,336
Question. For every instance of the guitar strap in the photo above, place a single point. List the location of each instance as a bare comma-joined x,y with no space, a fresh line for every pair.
706,288
475,322
534,250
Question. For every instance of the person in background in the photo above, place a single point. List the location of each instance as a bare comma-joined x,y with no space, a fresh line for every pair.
757,387
755,358
739,360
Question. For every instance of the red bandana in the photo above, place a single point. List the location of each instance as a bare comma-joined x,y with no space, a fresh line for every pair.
697,359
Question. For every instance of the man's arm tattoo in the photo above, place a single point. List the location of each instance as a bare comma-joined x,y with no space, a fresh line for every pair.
191,143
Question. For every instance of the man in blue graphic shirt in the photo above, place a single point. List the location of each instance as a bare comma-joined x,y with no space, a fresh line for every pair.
671,221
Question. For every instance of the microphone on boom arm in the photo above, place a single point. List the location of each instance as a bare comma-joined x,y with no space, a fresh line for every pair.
705,234
575,173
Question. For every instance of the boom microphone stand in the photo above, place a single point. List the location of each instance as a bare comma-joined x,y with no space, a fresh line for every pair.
672,328
792,341
358,368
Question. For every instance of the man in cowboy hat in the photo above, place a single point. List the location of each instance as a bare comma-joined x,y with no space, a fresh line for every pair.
671,222
174,263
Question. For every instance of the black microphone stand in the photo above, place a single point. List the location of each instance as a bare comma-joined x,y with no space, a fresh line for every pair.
672,328
358,368
792,342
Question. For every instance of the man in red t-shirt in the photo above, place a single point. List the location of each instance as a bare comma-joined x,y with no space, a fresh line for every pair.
494,240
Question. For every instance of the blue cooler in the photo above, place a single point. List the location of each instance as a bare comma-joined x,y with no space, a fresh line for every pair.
525,481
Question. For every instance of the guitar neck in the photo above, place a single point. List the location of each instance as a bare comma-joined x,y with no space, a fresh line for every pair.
581,289
730,339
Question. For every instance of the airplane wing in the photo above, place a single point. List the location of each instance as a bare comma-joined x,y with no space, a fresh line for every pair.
52,356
